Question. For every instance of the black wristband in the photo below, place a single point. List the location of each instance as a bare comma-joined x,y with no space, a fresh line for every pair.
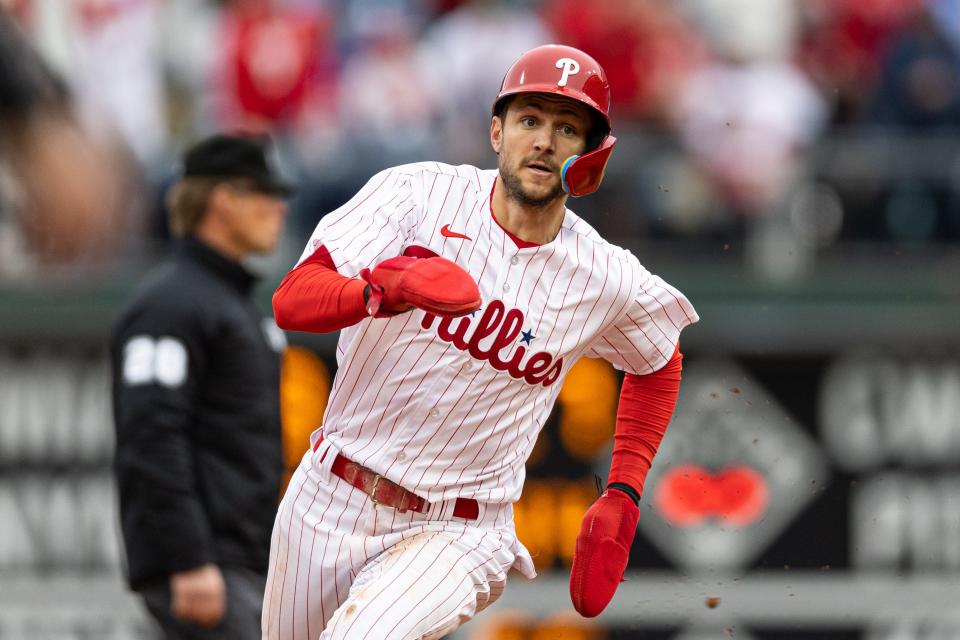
627,489
366,294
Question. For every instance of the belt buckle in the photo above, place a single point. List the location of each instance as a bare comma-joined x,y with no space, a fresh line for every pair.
373,489
402,505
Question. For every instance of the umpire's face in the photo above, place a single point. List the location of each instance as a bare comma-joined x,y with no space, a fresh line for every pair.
537,133
253,218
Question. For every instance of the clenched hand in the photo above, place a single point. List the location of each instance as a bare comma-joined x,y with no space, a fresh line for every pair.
602,551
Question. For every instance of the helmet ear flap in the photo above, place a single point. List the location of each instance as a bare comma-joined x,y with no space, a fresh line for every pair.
581,175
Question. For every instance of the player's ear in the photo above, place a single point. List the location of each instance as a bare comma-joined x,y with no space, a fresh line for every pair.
496,133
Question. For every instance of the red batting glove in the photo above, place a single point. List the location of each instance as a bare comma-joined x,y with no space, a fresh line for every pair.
436,285
602,551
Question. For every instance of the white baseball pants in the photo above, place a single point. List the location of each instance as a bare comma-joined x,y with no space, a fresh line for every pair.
344,567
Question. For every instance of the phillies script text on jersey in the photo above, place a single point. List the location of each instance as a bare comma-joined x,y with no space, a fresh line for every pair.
507,325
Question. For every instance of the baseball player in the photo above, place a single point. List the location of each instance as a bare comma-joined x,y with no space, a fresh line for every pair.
464,297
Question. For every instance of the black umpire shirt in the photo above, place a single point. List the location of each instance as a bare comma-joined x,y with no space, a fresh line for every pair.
196,375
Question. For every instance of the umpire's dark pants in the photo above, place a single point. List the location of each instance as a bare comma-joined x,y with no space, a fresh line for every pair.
241,621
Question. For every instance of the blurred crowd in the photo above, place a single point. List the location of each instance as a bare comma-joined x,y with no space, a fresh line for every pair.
830,120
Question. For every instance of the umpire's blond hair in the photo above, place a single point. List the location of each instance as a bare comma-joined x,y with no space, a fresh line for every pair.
187,202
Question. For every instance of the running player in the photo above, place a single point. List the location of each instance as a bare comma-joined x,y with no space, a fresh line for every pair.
398,522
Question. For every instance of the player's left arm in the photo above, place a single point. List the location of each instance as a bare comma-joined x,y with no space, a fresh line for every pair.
643,343
603,546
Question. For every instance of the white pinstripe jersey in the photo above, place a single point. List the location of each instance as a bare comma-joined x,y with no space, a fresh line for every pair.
452,408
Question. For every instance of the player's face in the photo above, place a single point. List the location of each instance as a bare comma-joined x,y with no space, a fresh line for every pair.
538,132
256,219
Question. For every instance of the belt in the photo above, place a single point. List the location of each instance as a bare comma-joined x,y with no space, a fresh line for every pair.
389,493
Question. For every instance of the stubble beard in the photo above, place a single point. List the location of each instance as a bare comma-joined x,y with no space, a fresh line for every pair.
515,190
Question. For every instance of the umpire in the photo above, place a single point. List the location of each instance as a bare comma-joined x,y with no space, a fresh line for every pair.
196,373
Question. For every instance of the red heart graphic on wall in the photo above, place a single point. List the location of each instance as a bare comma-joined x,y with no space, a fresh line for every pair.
687,495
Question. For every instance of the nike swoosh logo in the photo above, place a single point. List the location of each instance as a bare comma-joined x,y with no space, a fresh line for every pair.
446,233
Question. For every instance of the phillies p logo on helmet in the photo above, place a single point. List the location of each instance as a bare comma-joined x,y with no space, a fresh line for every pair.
569,66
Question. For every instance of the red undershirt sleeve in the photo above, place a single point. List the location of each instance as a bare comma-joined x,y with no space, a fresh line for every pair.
314,297
646,406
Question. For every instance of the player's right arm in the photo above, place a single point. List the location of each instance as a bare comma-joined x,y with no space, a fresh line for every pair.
315,297
323,292
365,238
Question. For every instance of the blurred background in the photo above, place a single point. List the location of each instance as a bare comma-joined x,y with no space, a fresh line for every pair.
793,166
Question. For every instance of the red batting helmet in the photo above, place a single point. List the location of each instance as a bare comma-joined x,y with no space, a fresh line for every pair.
568,72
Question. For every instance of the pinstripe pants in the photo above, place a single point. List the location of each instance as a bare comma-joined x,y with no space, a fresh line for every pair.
344,567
